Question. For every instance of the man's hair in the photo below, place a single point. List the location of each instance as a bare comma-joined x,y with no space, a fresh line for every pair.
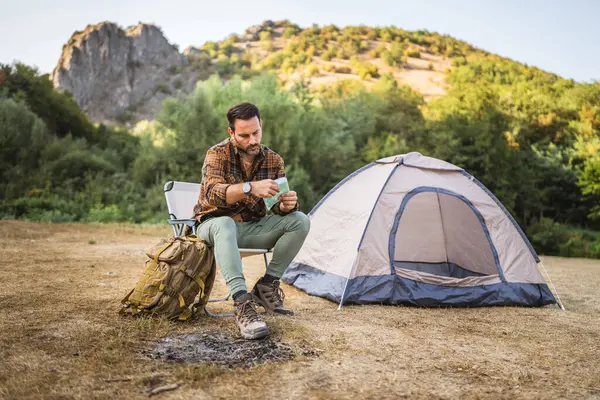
242,111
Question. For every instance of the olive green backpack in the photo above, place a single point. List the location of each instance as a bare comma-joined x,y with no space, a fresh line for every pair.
179,271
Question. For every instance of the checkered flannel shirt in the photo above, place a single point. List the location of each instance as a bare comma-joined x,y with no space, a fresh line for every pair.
222,168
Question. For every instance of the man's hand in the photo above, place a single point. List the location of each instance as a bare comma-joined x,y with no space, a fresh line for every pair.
288,201
264,189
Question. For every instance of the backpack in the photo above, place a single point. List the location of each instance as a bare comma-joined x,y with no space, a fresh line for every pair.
179,269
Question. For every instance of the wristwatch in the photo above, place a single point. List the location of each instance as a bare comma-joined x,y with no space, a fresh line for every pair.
247,187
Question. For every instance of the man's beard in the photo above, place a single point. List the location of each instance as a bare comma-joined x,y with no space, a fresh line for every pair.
251,149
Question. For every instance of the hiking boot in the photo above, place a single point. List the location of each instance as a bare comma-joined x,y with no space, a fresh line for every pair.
270,296
248,319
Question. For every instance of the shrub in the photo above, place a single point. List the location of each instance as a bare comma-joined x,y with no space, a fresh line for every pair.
162,87
372,34
386,35
264,36
412,53
328,54
365,70
102,213
210,48
547,236
341,69
312,70
551,238
290,32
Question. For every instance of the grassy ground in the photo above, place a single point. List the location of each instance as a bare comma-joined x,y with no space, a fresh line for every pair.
61,337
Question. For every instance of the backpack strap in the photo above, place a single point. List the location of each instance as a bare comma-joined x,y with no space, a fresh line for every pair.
160,251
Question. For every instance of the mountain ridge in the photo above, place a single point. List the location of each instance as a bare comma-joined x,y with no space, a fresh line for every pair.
121,75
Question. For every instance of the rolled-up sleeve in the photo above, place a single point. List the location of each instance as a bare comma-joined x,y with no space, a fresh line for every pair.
214,186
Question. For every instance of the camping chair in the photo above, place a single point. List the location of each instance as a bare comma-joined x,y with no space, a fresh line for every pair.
181,198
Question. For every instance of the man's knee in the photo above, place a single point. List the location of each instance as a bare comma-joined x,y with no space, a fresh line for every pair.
224,227
299,222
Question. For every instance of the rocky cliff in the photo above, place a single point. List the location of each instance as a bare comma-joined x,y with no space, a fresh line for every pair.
115,73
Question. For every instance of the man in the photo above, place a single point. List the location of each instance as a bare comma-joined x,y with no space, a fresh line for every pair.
237,175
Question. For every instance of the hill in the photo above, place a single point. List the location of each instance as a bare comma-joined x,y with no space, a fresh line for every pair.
122,75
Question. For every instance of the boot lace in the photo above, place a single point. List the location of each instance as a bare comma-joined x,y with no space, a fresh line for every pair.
248,311
278,294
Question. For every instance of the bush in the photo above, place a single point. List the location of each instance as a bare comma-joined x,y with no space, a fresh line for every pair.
342,54
328,54
365,70
412,53
49,208
337,69
290,32
51,216
101,213
551,238
264,36
372,34
313,70
162,87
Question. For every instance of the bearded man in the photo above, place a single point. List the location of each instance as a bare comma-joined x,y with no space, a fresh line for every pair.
237,175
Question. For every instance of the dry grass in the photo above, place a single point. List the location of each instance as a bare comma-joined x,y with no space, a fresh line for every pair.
61,337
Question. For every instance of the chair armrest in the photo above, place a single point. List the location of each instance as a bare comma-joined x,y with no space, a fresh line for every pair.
188,222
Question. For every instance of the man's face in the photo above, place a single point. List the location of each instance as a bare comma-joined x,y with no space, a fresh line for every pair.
247,135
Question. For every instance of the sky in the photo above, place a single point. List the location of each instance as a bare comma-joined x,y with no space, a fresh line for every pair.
557,36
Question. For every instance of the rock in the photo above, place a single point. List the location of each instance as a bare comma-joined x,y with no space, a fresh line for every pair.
191,50
253,32
109,70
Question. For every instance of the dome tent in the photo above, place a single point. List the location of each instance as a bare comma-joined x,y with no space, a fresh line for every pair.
411,229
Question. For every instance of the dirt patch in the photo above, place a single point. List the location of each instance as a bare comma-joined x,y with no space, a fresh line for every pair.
220,349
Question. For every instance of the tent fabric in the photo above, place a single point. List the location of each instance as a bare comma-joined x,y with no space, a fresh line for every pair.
417,230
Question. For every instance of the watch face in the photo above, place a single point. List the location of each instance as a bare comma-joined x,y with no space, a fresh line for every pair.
246,187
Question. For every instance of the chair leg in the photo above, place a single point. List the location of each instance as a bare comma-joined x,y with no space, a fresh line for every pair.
213,314
217,315
217,299
266,260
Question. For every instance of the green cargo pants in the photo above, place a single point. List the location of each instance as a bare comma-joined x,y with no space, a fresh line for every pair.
285,234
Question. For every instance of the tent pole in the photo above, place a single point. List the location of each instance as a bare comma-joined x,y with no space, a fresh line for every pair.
560,304
348,279
343,293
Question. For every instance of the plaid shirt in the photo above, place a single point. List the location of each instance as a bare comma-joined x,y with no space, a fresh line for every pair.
222,168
